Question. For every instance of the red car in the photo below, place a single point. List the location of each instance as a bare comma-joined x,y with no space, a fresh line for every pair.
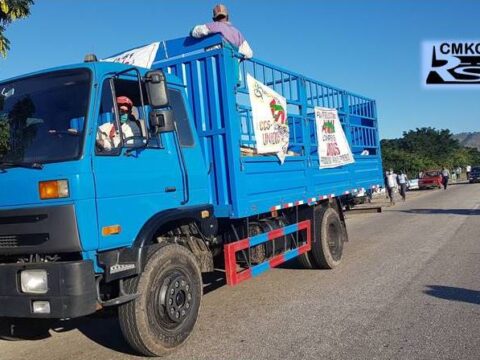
430,179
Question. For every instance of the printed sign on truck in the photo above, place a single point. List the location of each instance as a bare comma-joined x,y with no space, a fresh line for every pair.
333,148
269,116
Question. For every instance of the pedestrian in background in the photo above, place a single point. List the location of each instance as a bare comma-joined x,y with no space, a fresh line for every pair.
390,183
402,183
458,171
445,176
468,170
385,181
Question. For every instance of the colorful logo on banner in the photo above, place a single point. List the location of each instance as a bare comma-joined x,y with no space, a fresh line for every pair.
333,148
142,56
269,116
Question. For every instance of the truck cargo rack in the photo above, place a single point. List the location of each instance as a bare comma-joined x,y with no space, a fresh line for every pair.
230,250
240,180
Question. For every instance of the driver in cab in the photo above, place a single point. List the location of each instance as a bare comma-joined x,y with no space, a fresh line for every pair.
108,136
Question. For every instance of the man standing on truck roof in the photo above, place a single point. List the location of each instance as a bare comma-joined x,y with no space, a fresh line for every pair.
221,25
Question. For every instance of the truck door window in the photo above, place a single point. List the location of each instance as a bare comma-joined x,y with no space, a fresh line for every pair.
112,134
131,114
108,140
181,118
129,87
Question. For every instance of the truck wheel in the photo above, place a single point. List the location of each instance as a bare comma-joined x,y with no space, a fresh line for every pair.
327,241
164,314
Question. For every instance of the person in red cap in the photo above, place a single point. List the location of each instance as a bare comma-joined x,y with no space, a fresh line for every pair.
108,136
125,106
221,25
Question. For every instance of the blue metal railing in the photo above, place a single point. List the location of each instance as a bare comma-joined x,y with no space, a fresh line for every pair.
357,113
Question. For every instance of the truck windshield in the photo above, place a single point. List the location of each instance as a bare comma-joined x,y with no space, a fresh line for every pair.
42,117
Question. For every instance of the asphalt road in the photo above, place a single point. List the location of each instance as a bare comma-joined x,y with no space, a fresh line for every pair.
408,288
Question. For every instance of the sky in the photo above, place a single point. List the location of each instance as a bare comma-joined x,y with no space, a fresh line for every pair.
372,48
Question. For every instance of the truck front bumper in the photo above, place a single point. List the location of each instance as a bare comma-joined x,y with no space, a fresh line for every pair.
71,290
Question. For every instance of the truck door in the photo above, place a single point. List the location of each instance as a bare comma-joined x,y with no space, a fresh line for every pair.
137,177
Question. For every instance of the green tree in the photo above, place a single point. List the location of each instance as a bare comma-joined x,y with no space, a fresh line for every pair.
11,10
438,145
411,163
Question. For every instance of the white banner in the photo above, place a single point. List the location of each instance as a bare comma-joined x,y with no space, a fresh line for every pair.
333,148
142,56
269,116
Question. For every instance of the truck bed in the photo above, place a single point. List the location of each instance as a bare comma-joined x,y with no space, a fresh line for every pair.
241,185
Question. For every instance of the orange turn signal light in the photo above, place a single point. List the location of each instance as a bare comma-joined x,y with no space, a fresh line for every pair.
53,189
111,230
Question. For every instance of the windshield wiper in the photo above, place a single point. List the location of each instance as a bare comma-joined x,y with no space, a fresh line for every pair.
28,165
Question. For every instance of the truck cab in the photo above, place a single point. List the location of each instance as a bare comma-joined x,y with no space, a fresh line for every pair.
66,199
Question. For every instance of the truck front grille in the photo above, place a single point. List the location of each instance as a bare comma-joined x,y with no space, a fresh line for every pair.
14,241
8,241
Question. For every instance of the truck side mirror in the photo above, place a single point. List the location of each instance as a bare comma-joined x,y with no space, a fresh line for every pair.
162,121
156,86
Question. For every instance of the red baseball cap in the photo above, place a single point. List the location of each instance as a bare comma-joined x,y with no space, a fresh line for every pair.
124,103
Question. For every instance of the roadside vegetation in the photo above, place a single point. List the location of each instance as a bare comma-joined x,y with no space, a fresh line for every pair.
11,10
426,148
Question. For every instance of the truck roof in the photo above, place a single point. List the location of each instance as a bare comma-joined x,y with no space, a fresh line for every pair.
97,66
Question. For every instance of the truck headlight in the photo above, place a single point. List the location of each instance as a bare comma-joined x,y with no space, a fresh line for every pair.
34,281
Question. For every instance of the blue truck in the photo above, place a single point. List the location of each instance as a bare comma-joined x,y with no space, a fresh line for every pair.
83,228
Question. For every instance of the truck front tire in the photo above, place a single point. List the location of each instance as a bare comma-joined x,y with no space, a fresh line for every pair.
328,236
164,315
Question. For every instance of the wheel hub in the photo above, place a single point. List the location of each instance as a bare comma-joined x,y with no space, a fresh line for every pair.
177,298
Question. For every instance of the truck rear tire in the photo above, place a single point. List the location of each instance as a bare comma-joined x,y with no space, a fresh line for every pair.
328,236
164,315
